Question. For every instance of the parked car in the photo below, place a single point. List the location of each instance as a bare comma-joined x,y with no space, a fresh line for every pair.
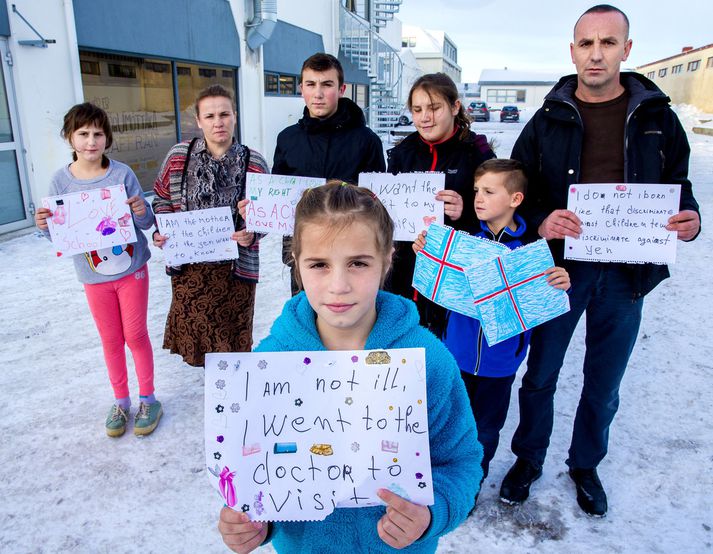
478,111
405,118
509,113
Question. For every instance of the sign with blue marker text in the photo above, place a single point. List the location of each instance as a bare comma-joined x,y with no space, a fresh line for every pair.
290,436
409,199
623,223
198,236
273,199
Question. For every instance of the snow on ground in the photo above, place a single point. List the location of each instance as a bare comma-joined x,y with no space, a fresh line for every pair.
66,487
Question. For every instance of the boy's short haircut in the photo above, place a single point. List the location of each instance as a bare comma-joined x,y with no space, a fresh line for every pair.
321,62
516,180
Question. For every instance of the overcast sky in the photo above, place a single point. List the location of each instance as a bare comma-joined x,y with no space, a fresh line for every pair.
535,34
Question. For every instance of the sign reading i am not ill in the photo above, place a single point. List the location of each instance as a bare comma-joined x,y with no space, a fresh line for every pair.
623,223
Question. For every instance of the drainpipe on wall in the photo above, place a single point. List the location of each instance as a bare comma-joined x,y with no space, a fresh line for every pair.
262,24
73,51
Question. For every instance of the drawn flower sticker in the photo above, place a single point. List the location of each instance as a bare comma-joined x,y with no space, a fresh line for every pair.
245,508
355,359
262,364
348,401
222,364
220,384
220,438
219,408
298,402
421,485
217,455
355,447
419,475
236,367
235,407
307,361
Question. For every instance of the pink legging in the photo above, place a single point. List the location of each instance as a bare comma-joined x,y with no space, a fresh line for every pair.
119,310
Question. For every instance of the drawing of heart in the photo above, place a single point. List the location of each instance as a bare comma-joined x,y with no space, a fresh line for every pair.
126,234
428,219
84,196
59,254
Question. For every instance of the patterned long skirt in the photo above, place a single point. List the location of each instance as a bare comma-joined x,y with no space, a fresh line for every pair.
210,312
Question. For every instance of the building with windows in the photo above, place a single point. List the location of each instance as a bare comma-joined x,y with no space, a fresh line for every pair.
524,89
434,50
687,78
144,62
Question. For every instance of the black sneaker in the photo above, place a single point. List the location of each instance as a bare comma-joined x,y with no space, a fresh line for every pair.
516,485
590,493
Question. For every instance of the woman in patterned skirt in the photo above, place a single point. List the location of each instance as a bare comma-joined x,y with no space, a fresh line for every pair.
212,303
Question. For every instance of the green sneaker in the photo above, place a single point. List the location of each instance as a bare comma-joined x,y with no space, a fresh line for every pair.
116,421
147,418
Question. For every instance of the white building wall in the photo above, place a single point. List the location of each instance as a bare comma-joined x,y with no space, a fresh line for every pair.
319,17
47,84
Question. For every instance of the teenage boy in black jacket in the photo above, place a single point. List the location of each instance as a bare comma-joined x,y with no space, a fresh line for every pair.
331,140
599,126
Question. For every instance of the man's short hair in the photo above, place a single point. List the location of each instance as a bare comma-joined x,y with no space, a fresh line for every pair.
605,8
322,62
515,179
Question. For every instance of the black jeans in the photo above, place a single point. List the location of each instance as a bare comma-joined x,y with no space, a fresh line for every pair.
604,292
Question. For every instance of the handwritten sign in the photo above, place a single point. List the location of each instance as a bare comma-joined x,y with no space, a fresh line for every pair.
623,223
273,199
293,435
409,199
198,236
90,220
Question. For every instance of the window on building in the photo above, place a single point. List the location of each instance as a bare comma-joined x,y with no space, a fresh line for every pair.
709,63
408,42
662,72
281,84
506,96
651,74
358,93
359,7
692,66
676,69
139,96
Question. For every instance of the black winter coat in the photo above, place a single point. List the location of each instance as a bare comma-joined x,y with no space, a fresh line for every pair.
339,147
458,159
656,151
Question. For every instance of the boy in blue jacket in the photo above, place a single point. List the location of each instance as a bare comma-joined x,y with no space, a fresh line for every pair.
489,371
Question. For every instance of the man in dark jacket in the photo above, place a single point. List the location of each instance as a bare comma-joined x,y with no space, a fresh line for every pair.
599,126
331,140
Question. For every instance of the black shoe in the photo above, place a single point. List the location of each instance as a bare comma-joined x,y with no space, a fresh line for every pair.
516,485
590,493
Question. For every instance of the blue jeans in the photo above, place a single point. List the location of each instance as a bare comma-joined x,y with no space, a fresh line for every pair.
604,292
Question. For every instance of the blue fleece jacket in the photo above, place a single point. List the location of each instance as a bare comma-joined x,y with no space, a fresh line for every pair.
464,335
455,450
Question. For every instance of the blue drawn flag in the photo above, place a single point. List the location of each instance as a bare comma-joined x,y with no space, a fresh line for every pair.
511,293
439,273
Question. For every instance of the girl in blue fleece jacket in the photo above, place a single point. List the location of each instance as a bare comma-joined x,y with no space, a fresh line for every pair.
342,245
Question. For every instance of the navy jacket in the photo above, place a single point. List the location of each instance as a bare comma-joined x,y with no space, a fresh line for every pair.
458,159
464,336
656,151
339,147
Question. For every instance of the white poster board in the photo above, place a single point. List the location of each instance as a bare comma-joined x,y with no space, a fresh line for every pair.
292,435
273,199
90,220
409,199
198,236
623,223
